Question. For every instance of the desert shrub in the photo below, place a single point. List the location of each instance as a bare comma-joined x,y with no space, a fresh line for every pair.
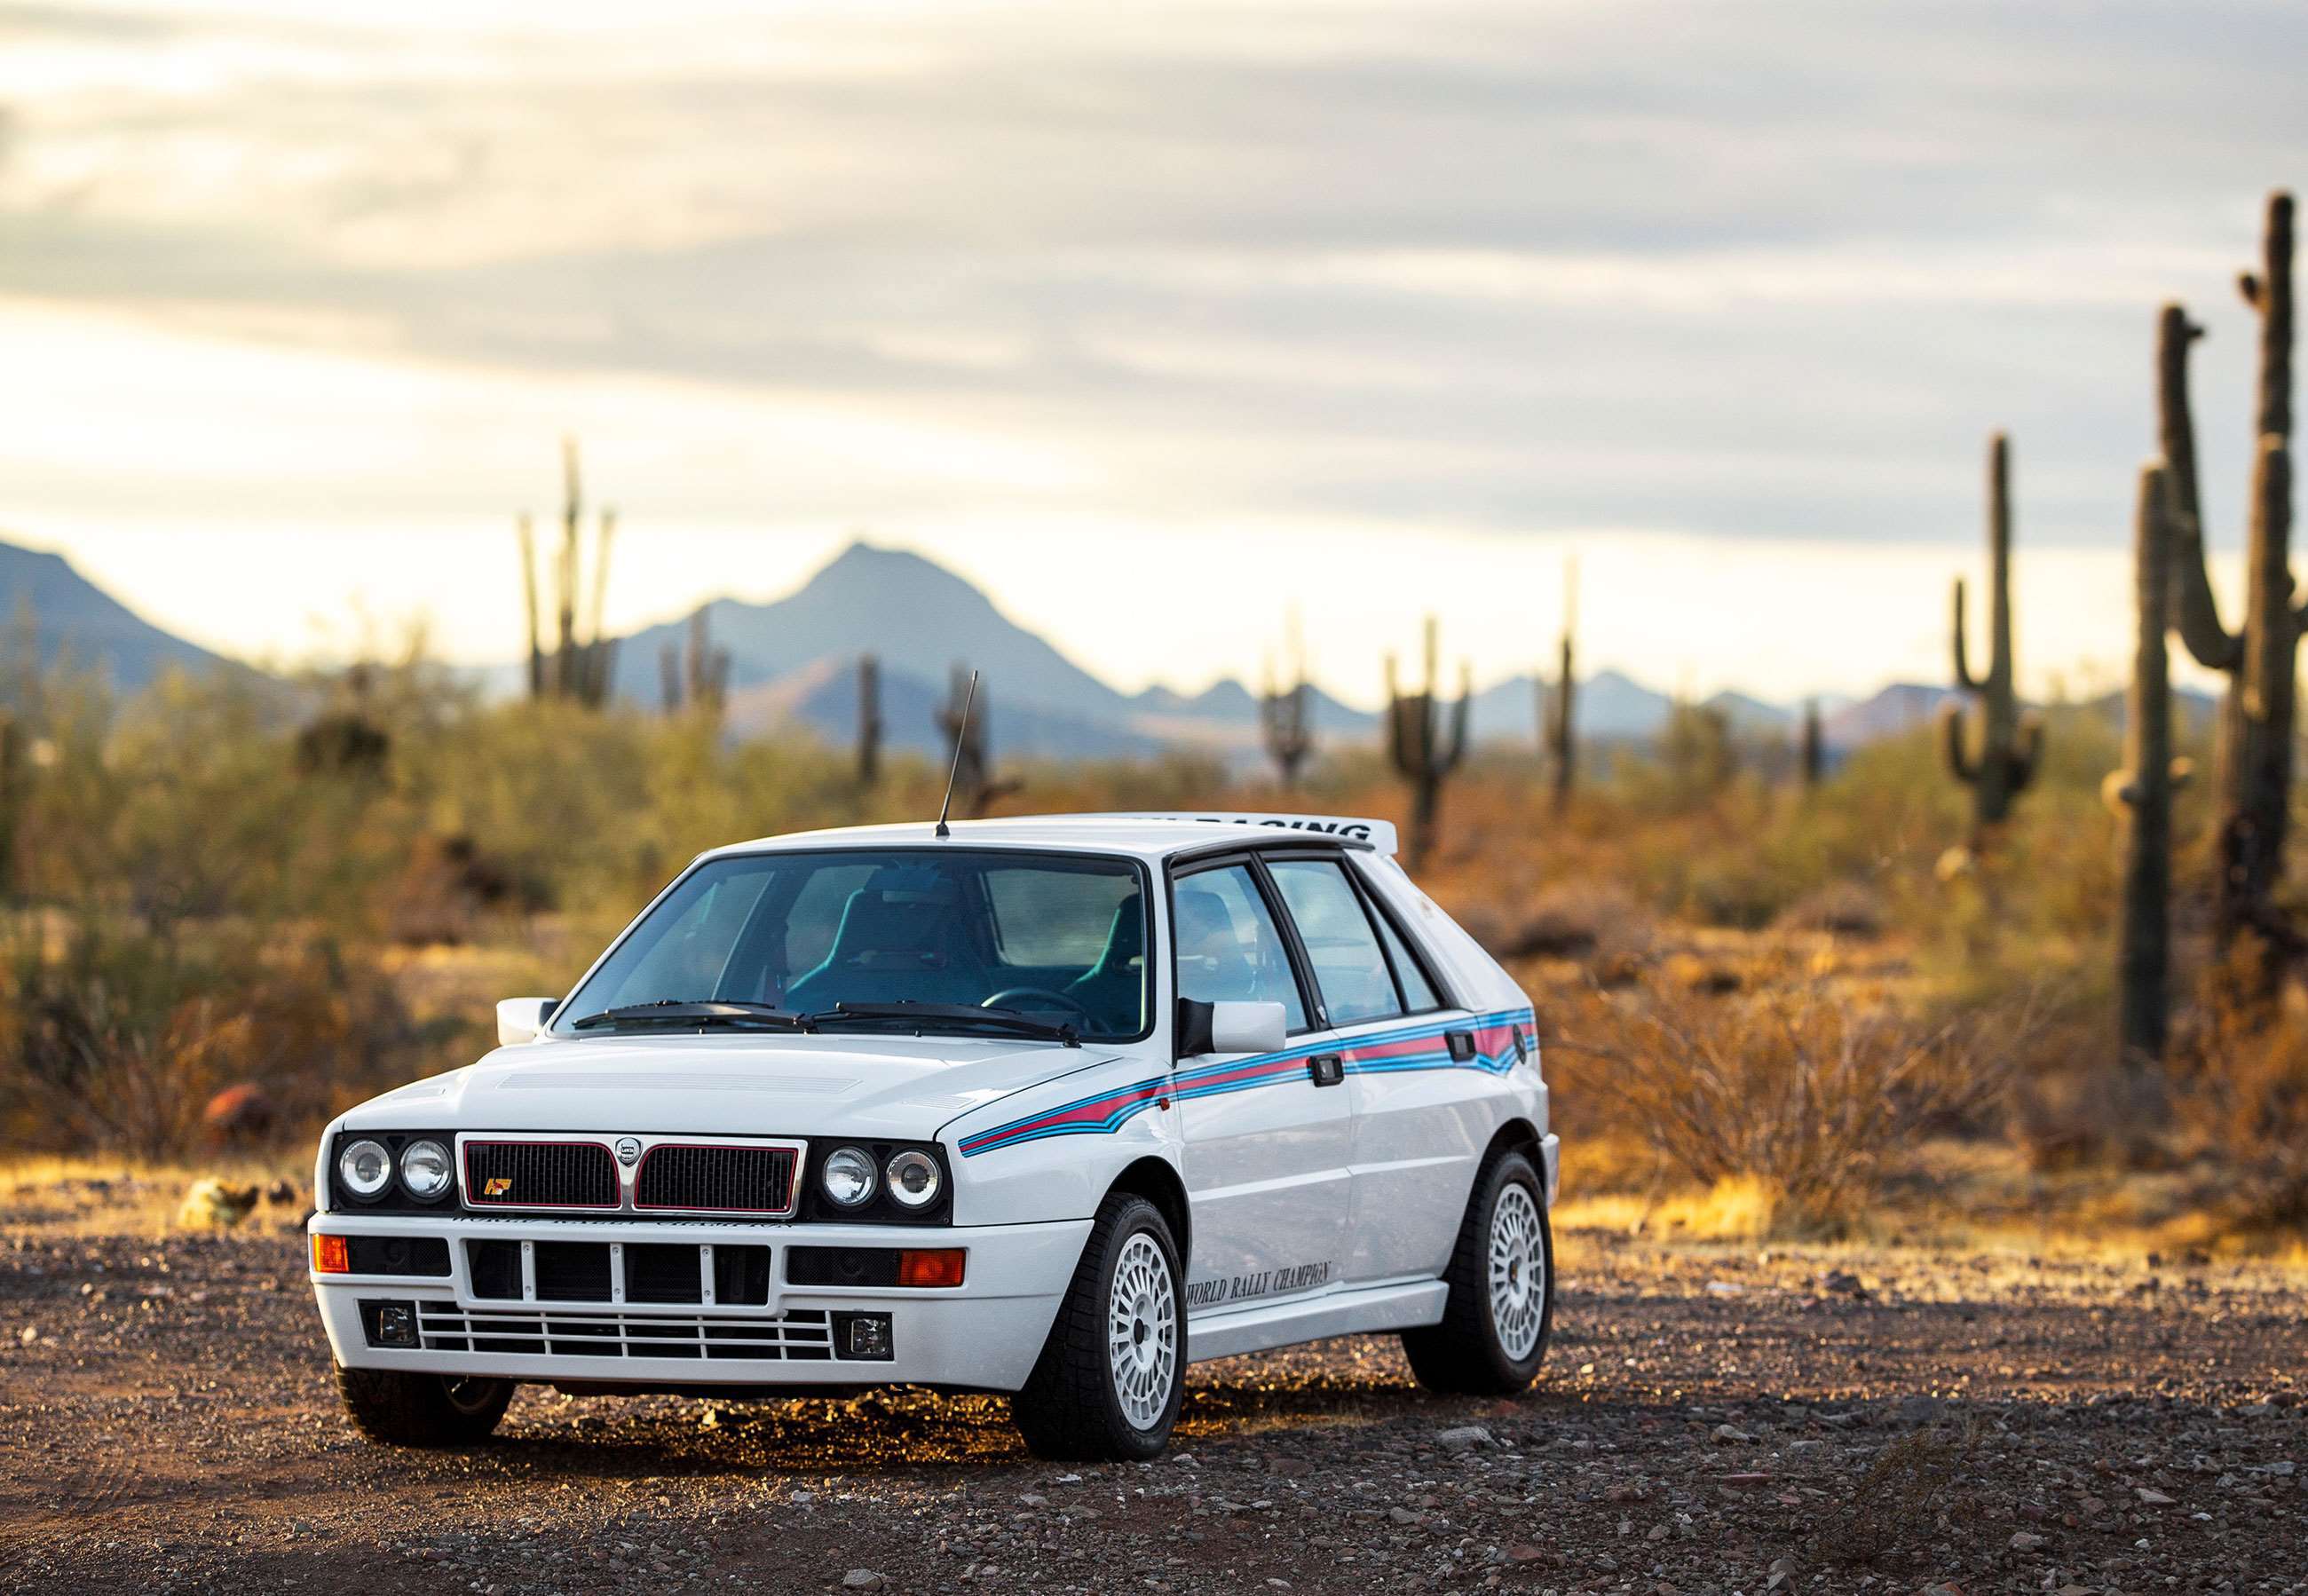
1791,1082
117,1038
2239,1098
1898,1501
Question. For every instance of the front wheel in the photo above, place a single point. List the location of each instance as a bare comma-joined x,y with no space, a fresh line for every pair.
414,1409
1492,1336
1108,1385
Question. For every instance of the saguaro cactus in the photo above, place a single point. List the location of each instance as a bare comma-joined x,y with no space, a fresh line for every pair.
1286,722
1811,750
1426,739
582,662
695,677
964,723
2142,792
2010,744
2255,776
869,720
1557,729
12,800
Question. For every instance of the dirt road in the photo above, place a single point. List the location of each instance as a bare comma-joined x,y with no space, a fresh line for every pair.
1712,1422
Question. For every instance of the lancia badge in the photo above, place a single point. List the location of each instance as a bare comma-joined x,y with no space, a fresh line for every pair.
629,1148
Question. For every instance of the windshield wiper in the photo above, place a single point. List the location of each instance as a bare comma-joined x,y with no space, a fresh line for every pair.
924,1015
699,1012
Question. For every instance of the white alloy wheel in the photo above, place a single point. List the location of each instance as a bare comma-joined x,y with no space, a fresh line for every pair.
1518,1271
1143,1332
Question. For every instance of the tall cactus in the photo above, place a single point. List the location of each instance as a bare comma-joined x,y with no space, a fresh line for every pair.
12,764
1426,739
2255,774
962,722
2011,743
1811,750
582,660
2142,792
696,676
1285,722
869,720
1558,733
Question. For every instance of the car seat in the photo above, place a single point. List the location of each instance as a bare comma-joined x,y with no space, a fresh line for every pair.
894,944
1114,989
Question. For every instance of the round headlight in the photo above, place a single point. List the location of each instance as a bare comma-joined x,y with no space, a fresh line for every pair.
914,1178
848,1178
367,1169
425,1169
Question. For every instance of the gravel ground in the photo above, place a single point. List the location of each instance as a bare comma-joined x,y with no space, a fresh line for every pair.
1711,1421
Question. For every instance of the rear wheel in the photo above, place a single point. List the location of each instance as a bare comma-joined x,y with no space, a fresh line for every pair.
1108,1385
1495,1326
415,1410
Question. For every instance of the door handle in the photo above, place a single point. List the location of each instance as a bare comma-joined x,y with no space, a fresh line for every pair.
1461,1044
1326,1069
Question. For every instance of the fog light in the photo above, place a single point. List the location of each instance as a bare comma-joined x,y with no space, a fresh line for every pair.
864,1335
396,1326
331,1255
935,1266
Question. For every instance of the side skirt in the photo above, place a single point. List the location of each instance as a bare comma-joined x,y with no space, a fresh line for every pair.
1338,1313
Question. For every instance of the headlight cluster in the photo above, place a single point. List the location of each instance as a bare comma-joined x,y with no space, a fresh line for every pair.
851,1180
366,1170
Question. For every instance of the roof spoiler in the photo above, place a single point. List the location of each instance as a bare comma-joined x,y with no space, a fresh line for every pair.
1376,834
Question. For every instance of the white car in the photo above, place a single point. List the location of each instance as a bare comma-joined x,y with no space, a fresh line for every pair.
1052,1107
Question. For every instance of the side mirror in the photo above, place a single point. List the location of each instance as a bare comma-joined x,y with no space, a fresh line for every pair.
520,1019
1230,1028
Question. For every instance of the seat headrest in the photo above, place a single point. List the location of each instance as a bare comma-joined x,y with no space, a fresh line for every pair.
901,925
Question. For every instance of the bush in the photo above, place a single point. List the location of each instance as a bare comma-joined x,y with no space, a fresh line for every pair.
1792,1085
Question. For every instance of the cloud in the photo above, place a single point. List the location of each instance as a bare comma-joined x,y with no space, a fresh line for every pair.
1763,273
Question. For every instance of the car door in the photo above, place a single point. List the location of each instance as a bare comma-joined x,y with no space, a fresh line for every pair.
1423,1107
1266,1147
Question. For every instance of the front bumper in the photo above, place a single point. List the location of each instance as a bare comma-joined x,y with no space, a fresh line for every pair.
984,1333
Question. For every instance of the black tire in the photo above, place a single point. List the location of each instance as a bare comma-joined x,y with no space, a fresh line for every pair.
1463,1356
1071,1407
412,1409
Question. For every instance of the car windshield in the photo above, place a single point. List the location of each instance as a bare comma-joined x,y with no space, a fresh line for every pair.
1058,937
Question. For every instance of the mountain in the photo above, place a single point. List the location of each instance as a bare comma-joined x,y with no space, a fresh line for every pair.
1899,707
823,697
920,618
69,616
1752,717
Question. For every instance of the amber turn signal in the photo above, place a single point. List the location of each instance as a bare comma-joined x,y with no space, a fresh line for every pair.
331,1255
940,1266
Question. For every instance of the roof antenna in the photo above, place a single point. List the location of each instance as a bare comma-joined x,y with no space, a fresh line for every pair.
961,740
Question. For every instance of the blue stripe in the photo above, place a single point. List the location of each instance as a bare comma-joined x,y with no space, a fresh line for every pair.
1182,1085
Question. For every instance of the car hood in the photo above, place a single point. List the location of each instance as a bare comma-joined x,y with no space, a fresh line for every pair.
900,1087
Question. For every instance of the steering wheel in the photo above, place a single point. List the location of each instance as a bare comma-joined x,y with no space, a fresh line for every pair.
1041,994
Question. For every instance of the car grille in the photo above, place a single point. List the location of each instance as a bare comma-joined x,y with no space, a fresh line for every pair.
540,1175
656,1272
716,1179
802,1335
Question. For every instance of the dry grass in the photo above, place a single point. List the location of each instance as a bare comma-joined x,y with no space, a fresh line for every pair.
1899,1502
96,1196
1784,1103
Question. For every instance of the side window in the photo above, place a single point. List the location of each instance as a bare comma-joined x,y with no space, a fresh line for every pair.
1349,966
1227,947
1418,993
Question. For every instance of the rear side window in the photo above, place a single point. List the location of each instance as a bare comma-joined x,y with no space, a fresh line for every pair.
1349,965
1418,993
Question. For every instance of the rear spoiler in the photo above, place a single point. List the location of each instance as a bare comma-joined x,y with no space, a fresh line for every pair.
1375,834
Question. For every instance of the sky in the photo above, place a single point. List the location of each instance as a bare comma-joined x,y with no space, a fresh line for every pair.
1158,320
